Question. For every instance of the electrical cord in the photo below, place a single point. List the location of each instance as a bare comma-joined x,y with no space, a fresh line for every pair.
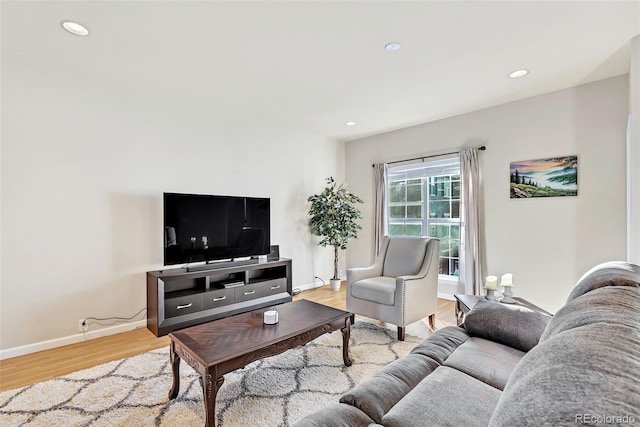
296,291
85,321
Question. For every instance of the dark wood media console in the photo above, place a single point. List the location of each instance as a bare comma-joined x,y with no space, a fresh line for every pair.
177,298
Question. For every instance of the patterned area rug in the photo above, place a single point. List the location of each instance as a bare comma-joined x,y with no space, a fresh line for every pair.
276,391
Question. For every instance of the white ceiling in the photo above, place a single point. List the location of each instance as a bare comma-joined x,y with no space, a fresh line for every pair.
315,65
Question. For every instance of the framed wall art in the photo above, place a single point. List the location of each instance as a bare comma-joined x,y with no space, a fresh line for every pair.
551,177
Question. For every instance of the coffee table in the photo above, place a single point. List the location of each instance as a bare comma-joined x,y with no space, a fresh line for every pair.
216,348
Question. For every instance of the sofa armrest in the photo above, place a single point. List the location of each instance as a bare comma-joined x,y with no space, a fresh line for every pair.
421,284
361,273
374,270
407,278
614,273
419,292
515,326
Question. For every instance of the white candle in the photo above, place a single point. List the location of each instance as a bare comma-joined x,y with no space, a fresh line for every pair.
491,283
270,317
507,279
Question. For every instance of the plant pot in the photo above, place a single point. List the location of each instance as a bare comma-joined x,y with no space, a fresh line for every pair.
335,284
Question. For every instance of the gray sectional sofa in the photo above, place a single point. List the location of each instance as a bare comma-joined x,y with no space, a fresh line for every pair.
510,366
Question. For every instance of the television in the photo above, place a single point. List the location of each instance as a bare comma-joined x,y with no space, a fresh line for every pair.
207,227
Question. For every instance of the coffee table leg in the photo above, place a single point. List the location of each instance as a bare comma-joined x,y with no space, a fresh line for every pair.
175,367
346,333
210,391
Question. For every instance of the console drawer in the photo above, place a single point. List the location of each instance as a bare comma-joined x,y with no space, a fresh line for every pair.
182,305
218,298
248,292
272,287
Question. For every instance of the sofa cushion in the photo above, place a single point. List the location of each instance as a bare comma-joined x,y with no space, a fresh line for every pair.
378,393
336,415
381,290
487,361
515,326
614,273
442,343
589,371
404,256
447,397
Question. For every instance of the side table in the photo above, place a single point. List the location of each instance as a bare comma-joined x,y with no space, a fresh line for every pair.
464,303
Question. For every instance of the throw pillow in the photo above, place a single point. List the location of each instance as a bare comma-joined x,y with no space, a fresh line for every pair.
515,326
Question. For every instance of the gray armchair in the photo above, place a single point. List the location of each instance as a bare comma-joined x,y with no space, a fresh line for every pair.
401,287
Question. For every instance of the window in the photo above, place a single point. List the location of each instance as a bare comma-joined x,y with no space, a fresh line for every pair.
424,200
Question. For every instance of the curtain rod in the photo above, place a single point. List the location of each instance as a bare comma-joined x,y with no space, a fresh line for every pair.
481,148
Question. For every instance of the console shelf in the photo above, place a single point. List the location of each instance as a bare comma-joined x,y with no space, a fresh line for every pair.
177,298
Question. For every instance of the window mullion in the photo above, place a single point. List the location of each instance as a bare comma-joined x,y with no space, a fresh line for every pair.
425,207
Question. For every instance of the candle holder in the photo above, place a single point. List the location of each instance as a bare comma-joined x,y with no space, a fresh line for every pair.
490,285
491,295
507,283
507,294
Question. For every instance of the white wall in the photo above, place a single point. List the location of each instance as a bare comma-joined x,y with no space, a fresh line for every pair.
633,156
547,243
84,165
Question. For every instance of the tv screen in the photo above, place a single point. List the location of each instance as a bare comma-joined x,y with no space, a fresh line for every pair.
205,227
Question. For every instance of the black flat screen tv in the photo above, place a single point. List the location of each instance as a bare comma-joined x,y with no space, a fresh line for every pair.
206,227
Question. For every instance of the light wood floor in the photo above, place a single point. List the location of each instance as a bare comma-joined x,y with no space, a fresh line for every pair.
44,365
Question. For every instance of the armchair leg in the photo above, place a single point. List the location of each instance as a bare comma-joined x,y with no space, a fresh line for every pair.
353,319
400,333
432,321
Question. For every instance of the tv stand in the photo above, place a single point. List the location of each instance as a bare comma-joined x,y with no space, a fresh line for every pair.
222,264
182,297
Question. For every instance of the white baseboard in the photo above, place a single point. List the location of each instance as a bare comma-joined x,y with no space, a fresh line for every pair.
309,286
70,339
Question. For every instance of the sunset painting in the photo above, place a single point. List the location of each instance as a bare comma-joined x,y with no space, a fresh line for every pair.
552,177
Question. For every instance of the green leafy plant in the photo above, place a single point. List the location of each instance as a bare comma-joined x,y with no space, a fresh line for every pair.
333,216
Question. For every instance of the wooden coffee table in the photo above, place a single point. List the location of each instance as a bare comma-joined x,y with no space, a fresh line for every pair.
216,348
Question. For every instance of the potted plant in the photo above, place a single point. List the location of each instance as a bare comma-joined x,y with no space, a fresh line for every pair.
333,216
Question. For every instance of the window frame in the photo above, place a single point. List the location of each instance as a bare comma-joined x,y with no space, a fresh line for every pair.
425,172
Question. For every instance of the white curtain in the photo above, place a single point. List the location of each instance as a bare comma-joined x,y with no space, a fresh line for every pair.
470,236
381,181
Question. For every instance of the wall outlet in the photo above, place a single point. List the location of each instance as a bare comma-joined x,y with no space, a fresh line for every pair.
83,326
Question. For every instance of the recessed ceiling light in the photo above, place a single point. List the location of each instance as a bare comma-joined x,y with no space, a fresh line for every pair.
518,73
75,28
350,123
392,47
